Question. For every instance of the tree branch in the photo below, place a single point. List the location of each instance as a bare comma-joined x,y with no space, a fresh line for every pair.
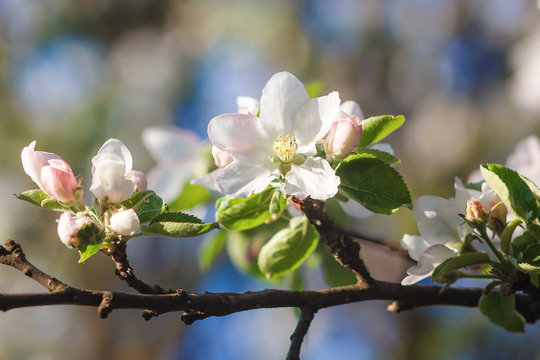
343,247
297,337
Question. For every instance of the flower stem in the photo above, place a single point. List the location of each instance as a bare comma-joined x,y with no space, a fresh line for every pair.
463,274
497,253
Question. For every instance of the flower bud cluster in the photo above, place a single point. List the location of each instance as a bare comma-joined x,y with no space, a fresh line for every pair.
113,181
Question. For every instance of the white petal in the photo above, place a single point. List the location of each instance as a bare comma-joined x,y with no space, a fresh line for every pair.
33,161
247,105
355,210
208,180
462,195
165,142
241,180
281,99
427,262
113,150
352,108
315,178
169,177
415,245
437,220
240,135
314,120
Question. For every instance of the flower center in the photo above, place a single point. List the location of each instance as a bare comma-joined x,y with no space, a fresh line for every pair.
285,148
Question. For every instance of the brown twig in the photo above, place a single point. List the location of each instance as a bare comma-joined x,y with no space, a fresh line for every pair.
343,247
125,272
297,337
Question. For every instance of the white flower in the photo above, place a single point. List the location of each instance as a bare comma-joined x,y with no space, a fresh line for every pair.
69,227
441,233
125,222
247,105
112,172
281,142
179,155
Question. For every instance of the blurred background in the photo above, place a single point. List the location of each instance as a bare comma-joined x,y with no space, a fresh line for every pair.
465,73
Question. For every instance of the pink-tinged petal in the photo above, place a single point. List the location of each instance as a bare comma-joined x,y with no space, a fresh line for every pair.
113,150
33,161
437,220
242,181
221,158
315,178
281,99
247,105
343,137
314,119
168,178
427,262
354,209
415,245
59,181
138,178
109,182
241,136
165,142
352,108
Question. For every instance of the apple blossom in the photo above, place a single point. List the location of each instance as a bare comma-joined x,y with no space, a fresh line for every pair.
113,179
69,227
475,211
344,135
247,105
280,144
125,222
52,174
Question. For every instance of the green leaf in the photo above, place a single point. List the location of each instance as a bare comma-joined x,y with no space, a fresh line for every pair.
288,248
532,255
333,272
242,214
314,88
475,185
459,262
373,183
146,204
39,198
506,236
512,189
243,248
190,196
87,251
177,225
500,309
210,249
379,154
376,128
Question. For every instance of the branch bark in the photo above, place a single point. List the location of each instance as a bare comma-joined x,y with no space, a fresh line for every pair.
297,337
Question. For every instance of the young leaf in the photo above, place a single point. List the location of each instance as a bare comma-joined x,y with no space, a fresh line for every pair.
177,225
86,252
288,248
333,272
242,214
191,196
379,154
210,249
314,88
146,204
459,262
243,248
376,128
512,189
500,309
39,198
373,183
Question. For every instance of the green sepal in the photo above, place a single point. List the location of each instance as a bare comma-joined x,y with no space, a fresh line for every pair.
177,225
39,198
376,128
211,247
373,183
459,262
506,236
379,154
288,248
243,214
147,204
86,252
500,310
512,189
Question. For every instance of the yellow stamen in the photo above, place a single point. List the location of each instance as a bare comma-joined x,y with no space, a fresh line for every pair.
285,148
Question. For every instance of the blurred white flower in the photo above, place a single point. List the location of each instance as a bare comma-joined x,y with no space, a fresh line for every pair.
125,222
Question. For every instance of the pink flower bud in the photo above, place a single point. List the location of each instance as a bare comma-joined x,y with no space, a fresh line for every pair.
125,222
221,158
139,179
475,211
69,227
52,174
344,135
